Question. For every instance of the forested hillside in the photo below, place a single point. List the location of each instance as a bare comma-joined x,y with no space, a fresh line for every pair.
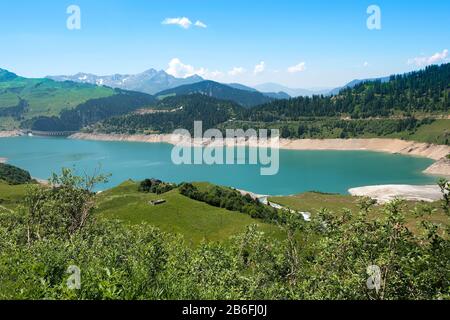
91,111
217,90
424,91
175,113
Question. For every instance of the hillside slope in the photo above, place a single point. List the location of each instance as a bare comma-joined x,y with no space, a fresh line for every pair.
178,112
217,90
47,105
424,91
196,221
23,99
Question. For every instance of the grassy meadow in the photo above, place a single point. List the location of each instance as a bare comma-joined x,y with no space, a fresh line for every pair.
196,221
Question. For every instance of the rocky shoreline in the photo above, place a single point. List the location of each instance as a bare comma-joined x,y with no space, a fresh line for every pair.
11,133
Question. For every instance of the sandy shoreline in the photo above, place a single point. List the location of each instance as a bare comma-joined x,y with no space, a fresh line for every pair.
431,151
435,152
386,193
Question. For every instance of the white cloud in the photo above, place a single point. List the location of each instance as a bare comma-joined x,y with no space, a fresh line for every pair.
200,24
260,67
182,22
236,71
426,61
180,70
365,64
297,68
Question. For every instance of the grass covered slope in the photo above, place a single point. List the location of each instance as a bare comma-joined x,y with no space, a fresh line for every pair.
45,97
437,132
11,196
313,202
196,221
47,105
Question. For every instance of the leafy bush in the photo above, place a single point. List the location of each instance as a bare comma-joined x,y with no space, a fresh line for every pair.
155,186
232,200
13,175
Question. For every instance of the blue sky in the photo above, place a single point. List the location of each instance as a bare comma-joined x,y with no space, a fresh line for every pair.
321,43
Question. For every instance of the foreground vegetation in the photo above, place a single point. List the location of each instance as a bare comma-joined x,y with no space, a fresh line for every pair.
58,226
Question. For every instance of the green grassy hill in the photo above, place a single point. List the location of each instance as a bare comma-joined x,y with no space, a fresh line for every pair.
437,132
43,97
11,196
195,220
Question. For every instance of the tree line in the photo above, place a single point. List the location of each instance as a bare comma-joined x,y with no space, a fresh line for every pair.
184,110
232,200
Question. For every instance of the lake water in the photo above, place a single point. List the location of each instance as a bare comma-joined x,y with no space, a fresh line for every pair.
300,171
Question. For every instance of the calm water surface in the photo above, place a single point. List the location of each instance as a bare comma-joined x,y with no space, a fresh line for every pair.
326,171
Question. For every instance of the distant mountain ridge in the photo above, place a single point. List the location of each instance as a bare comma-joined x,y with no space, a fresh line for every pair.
276,95
5,75
150,81
356,82
245,98
292,92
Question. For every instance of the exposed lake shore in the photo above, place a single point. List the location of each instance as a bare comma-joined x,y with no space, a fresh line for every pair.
11,133
393,146
386,193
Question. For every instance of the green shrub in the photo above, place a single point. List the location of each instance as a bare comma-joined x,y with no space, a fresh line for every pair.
13,175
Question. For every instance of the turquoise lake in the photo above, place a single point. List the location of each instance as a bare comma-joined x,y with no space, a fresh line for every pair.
300,171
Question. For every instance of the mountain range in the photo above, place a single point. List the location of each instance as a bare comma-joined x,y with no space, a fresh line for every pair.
153,82
293,92
150,81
